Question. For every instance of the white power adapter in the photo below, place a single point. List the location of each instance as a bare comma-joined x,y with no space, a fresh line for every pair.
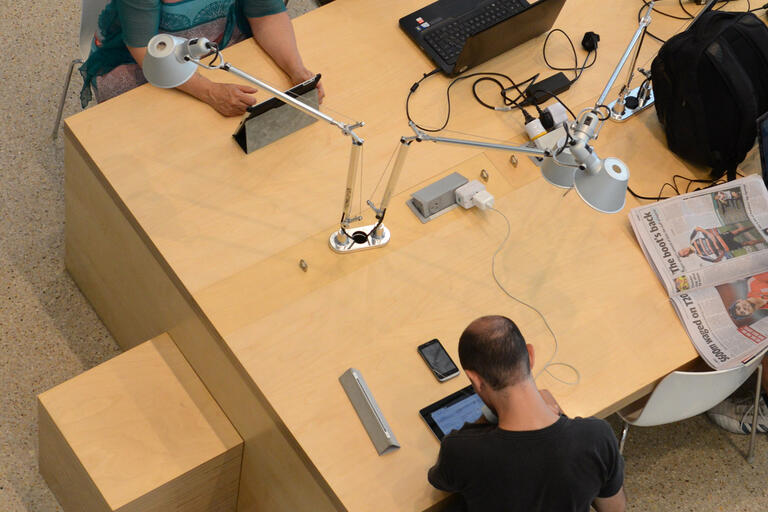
474,194
558,112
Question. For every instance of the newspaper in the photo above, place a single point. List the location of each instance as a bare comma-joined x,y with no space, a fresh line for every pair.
710,251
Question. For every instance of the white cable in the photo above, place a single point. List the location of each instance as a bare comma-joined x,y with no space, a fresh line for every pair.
549,362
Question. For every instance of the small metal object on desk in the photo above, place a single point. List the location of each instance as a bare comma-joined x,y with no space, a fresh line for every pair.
484,175
513,160
303,265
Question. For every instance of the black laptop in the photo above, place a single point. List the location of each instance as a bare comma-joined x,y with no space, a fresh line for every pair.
460,34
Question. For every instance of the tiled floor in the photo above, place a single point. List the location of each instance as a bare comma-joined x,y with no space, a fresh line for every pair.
49,333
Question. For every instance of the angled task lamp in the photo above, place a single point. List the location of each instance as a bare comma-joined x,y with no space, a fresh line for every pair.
171,61
571,162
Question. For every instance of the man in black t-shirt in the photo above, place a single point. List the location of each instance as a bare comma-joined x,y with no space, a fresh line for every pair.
536,458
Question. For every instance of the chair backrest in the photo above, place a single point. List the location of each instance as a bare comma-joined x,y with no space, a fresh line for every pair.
681,395
89,23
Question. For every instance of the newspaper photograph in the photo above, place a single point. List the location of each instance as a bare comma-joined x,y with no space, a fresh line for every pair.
728,324
708,237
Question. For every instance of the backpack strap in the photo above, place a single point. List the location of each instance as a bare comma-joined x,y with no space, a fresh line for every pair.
741,90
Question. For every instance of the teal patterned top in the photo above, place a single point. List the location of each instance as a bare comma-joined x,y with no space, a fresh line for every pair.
134,22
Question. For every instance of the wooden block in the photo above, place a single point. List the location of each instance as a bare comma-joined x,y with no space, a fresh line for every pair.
138,433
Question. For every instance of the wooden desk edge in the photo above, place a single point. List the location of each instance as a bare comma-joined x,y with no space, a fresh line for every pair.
173,324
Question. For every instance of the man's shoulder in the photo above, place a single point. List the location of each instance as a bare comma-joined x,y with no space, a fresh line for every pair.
590,427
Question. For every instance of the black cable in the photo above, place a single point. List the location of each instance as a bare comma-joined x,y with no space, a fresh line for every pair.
684,9
607,109
689,15
520,94
541,89
726,2
676,188
416,85
487,79
638,196
674,17
577,70
650,34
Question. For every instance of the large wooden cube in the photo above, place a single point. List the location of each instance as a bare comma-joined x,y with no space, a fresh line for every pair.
138,433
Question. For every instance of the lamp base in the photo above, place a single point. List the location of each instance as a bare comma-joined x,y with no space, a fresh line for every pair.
358,240
621,113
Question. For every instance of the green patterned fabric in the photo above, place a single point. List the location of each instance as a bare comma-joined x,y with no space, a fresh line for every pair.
133,23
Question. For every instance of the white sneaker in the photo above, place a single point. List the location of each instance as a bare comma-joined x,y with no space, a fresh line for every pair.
735,415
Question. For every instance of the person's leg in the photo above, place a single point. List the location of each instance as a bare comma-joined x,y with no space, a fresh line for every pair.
119,80
735,414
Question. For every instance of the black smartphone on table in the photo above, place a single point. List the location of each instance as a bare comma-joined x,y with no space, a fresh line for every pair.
438,360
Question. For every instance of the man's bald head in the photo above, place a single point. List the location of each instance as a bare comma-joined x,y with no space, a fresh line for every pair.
494,348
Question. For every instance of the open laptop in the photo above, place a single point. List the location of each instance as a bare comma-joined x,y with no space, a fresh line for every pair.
460,34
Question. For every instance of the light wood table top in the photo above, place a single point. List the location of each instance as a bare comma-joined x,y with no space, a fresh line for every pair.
233,227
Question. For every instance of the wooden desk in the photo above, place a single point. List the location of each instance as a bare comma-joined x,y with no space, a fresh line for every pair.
171,228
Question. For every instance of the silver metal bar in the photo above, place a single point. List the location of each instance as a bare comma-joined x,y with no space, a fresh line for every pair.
644,22
631,69
624,433
751,453
402,152
354,165
55,133
347,129
421,136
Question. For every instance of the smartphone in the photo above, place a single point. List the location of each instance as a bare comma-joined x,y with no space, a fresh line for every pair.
438,360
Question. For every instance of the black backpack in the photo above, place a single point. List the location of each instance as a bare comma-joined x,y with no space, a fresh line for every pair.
711,84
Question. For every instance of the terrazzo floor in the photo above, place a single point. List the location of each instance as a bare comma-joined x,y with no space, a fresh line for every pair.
49,333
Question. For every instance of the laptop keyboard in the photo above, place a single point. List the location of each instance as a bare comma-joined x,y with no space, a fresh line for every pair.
448,39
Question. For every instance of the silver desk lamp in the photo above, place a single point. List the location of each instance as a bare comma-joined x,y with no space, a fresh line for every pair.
171,61
571,162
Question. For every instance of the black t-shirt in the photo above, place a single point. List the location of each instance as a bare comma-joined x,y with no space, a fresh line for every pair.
562,467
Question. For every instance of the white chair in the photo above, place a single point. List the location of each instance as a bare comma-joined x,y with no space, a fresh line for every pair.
681,395
89,23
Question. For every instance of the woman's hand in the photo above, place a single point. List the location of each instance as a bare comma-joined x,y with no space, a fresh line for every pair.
226,99
302,76
230,99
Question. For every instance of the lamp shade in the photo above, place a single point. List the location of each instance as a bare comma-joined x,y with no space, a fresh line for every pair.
605,190
164,64
559,175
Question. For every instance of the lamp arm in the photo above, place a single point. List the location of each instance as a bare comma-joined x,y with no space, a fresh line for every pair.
644,22
352,172
402,152
199,48
422,136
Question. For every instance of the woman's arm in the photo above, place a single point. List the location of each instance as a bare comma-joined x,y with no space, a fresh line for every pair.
226,99
275,34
